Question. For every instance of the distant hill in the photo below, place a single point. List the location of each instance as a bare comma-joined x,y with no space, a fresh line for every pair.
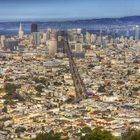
132,19
9,28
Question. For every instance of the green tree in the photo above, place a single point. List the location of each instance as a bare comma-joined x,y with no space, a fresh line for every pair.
101,89
9,101
39,88
136,89
38,80
10,88
86,130
4,109
99,134
48,136
131,135
20,129
2,90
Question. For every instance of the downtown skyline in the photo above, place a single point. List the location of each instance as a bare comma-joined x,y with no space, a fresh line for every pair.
15,10
69,68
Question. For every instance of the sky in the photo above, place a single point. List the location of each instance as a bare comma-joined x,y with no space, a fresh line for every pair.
66,9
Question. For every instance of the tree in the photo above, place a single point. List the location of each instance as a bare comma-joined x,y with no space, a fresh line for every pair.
136,89
20,129
48,136
10,88
4,109
131,135
86,130
101,89
99,134
2,90
9,101
38,80
39,88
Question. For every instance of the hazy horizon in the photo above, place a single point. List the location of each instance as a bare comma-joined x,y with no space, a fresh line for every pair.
64,19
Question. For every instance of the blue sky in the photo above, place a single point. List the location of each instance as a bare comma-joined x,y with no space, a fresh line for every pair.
66,9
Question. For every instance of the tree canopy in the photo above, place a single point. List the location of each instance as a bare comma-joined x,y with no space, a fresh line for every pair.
88,134
48,136
98,134
131,135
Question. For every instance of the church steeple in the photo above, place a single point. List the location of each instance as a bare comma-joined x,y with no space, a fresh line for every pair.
21,32
20,28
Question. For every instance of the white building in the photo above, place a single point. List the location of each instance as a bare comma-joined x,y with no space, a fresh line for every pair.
21,32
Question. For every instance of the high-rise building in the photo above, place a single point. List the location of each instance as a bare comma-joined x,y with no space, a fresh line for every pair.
21,32
137,32
52,46
78,47
11,45
44,38
2,41
34,28
79,31
87,37
60,43
36,38
93,38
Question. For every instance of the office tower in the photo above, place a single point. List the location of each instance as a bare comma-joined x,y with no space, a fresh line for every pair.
2,41
53,34
137,32
60,43
60,35
80,38
101,37
79,31
78,47
11,45
104,41
87,37
44,38
52,46
99,41
34,28
93,38
36,38
21,32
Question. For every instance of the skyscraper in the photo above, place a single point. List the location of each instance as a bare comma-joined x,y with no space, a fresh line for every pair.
36,38
2,41
136,32
11,45
34,28
52,46
78,47
60,43
35,34
21,32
